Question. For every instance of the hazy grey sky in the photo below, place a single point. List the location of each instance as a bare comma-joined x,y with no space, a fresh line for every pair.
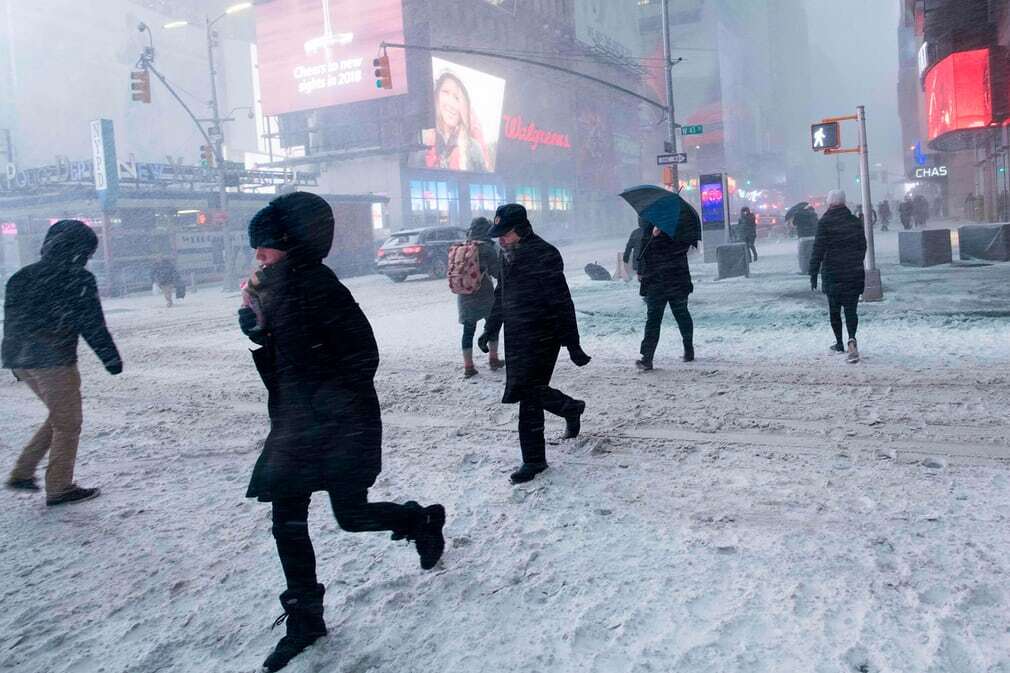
855,48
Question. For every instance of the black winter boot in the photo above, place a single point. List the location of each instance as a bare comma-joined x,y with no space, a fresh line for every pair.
688,350
527,472
303,614
573,423
425,531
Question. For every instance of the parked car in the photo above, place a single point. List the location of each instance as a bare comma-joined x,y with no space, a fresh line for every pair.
417,251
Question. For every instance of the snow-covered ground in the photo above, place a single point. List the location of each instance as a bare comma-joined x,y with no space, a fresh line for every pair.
767,508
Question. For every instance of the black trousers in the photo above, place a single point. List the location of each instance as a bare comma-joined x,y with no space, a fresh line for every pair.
751,250
354,514
532,405
849,304
656,307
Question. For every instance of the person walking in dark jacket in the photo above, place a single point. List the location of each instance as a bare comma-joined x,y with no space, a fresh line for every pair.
885,215
166,277
318,361
49,305
920,210
746,232
633,248
666,281
473,308
805,222
534,304
838,253
905,209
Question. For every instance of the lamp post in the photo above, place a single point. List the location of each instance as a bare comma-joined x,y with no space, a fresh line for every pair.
216,134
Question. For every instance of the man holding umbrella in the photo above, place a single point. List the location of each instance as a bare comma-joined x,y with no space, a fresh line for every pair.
672,228
533,302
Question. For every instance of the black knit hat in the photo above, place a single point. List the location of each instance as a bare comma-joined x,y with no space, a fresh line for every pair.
511,216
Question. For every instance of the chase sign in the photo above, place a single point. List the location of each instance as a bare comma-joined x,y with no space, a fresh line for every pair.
931,172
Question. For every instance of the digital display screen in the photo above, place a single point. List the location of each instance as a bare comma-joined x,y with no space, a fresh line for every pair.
468,117
958,93
318,53
712,200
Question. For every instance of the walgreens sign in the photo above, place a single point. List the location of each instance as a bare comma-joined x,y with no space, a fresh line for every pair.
518,129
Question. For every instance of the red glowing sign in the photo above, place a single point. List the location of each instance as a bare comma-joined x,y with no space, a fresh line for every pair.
318,53
958,93
517,128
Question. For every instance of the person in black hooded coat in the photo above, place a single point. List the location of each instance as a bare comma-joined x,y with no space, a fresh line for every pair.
838,252
533,302
48,306
318,360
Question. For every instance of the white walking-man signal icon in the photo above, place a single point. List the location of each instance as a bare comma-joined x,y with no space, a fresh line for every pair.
819,136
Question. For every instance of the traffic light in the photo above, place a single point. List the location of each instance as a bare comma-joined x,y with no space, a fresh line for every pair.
140,85
383,77
207,156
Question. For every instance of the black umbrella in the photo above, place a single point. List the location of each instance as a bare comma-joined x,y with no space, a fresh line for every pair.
666,210
791,213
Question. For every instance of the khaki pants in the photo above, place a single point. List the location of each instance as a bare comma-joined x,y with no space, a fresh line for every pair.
59,388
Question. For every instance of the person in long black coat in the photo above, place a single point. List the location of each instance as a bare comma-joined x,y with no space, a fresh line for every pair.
666,281
472,308
318,360
534,304
837,255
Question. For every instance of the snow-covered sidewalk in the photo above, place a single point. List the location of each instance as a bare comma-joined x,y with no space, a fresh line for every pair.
767,508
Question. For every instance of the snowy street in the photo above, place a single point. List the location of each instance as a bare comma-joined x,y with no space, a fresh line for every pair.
766,508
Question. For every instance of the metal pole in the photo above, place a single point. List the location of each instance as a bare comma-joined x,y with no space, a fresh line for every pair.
873,291
230,279
668,65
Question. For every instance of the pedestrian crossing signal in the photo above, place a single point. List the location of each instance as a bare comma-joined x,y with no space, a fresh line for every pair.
207,156
825,136
140,85
383,77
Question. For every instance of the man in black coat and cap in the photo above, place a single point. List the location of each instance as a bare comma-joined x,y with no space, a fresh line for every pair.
533,302
318,360
49,305
838,252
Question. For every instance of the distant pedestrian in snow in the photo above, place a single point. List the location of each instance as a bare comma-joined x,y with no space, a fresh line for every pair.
905,209
805,222
746,232
666,281
534,304
920,210
318,360
48,305
166,277
885,215
633,248
838,253
473,308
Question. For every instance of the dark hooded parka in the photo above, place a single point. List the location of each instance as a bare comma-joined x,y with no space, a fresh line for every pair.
318,360
50,303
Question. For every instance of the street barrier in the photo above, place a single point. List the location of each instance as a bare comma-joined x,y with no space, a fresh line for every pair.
804,247
732,260
927,247
984,241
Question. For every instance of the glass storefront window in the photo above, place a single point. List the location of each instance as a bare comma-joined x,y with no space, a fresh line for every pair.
559,198
529,197
433,203
485,199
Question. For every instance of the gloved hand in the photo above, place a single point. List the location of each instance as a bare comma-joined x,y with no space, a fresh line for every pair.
482,342
813,282
249,325
578,355
115,367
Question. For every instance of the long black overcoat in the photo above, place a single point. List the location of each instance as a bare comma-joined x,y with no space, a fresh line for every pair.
838,252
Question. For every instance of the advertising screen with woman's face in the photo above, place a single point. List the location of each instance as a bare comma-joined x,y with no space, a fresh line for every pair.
467,116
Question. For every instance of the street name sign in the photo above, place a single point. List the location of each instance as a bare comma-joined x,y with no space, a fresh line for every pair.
667,159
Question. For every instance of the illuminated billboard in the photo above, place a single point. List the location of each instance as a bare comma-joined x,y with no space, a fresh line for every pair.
959,93
468,114
318,53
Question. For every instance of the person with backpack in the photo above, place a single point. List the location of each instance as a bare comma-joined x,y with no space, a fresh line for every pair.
166,277
473,269
534,304
48,305
317,359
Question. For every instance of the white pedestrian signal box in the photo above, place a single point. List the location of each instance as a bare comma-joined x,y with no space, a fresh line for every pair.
825,136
